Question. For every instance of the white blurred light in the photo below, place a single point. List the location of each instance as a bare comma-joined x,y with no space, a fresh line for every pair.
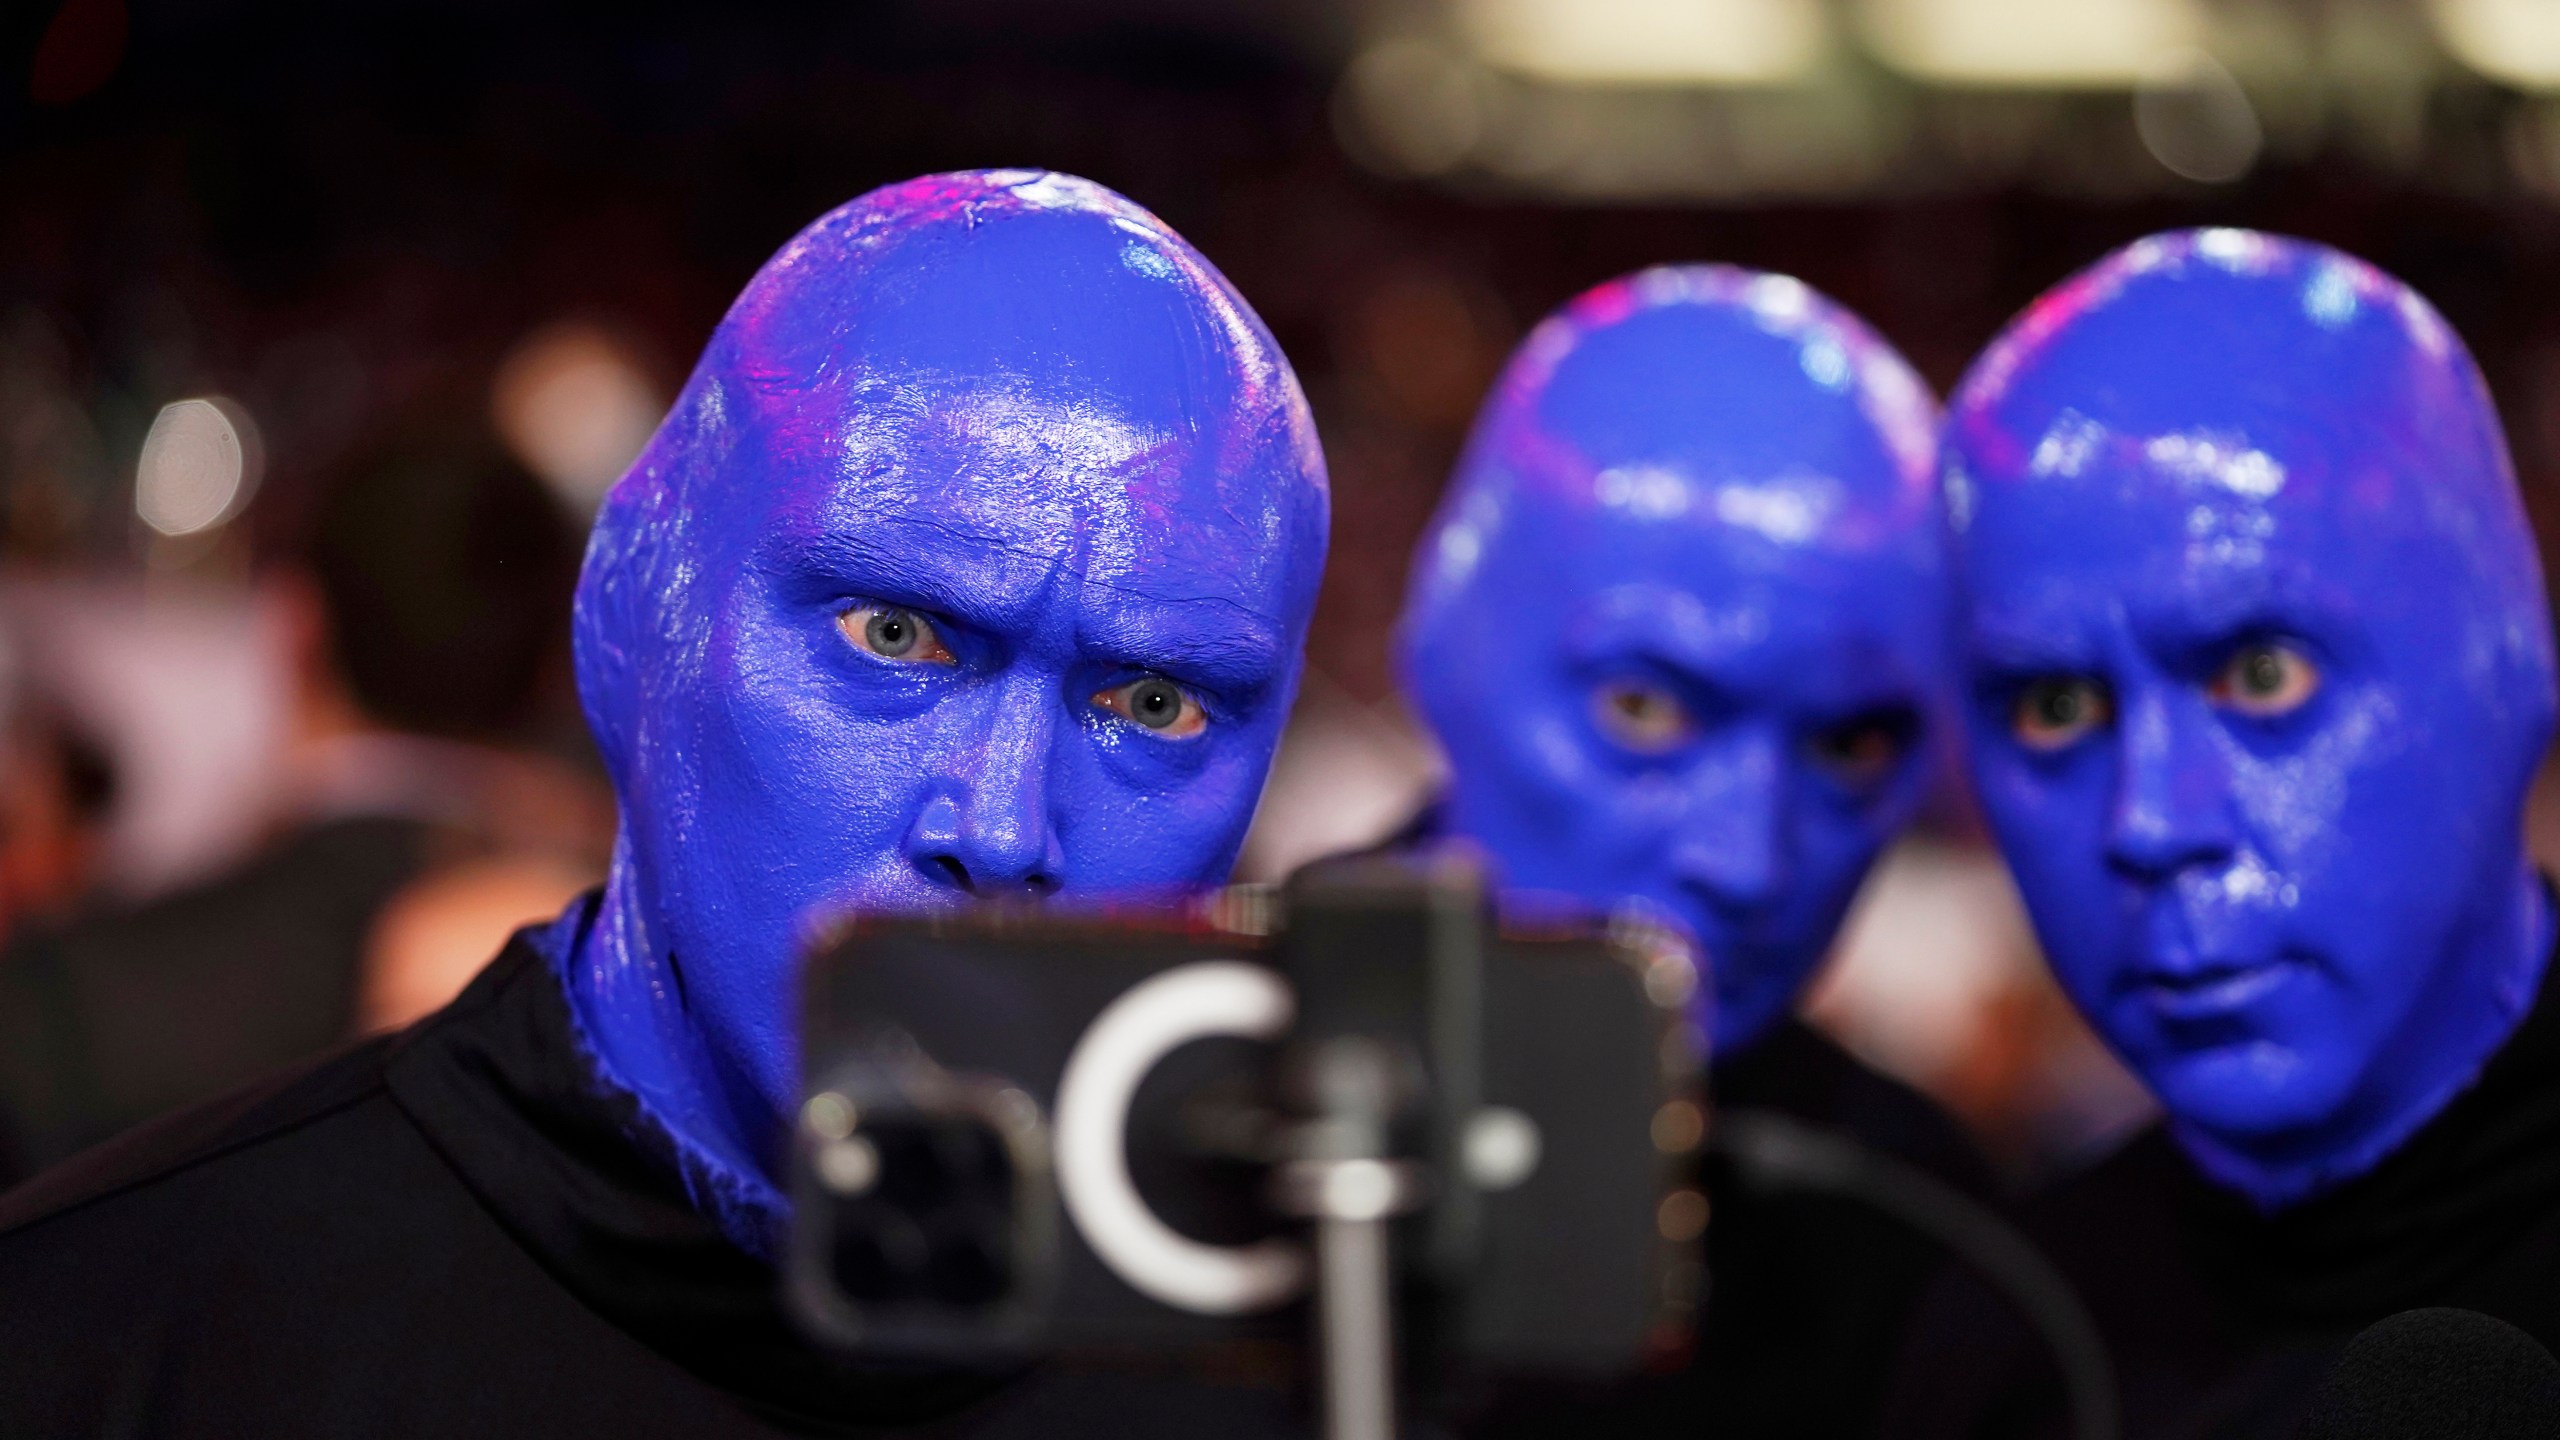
1649,42
576,408
2517,41
1410,106
1924,981
200,464
1348,775
2196,120
2099,44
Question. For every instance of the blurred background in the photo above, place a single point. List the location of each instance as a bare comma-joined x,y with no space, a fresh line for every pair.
323,327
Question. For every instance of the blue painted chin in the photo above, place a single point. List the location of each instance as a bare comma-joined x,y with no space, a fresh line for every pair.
975,559
2261,669
1679,623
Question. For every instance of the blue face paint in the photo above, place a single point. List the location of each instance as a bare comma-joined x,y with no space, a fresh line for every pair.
1678,625
975,559
2262,669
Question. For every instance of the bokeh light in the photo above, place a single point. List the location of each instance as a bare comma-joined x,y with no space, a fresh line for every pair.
1650,42
2517,41
2195,119
1409,107
2100,43
576,406
200,466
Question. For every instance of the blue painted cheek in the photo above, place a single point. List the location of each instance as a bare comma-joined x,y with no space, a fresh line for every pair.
1147,814
1734,840
1821,847
799,802
1534,788
1730,868
2054,818
1738,835
1534,783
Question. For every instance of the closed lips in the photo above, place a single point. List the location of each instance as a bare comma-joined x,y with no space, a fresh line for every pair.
2212,987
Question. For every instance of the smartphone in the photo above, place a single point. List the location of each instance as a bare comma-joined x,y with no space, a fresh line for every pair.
1033,1131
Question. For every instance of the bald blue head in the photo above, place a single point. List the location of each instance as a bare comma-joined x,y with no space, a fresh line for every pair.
2262,668
974,559
1678,623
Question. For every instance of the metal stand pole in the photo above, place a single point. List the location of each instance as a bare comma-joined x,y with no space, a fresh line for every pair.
1351,1201
1351,1191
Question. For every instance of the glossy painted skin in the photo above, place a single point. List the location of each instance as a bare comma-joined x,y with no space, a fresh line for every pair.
1678,626
975,559
2261,670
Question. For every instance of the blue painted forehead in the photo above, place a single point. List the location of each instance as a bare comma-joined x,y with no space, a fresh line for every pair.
2328,368
1029,278
1696,394
960,340
1728,374
924,304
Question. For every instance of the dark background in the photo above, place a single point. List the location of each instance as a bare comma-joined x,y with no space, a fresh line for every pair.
345,214
347,217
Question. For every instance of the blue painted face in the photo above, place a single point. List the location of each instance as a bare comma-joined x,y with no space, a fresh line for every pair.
974,560
1679,624
2261,669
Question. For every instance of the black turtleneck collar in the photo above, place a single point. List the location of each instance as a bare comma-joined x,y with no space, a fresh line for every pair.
2420,1228
591,1186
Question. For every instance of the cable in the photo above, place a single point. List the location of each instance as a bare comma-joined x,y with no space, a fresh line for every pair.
1779,1153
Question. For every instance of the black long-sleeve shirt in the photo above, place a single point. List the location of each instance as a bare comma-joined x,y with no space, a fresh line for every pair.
2223,1320
1808,1296
460,1231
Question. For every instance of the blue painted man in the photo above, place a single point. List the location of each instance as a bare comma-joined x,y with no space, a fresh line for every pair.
1678,629
975,559
2261,670
976,563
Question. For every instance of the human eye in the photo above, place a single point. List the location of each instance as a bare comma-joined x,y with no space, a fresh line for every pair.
2263,680
893,632
1861,753
1642,716
2056,712
1156,705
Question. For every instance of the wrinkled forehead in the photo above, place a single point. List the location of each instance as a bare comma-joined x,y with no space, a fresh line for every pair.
1040,482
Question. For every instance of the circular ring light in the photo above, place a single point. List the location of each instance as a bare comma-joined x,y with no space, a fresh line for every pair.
1130,1037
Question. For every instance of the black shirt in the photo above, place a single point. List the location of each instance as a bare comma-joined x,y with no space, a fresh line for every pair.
460,1231
1811,1295
2223,1320
123,1015
1808,1297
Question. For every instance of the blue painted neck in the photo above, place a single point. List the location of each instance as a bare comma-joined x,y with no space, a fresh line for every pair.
627,999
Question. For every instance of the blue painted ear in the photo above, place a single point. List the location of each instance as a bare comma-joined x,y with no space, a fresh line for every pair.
621,580
600,630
